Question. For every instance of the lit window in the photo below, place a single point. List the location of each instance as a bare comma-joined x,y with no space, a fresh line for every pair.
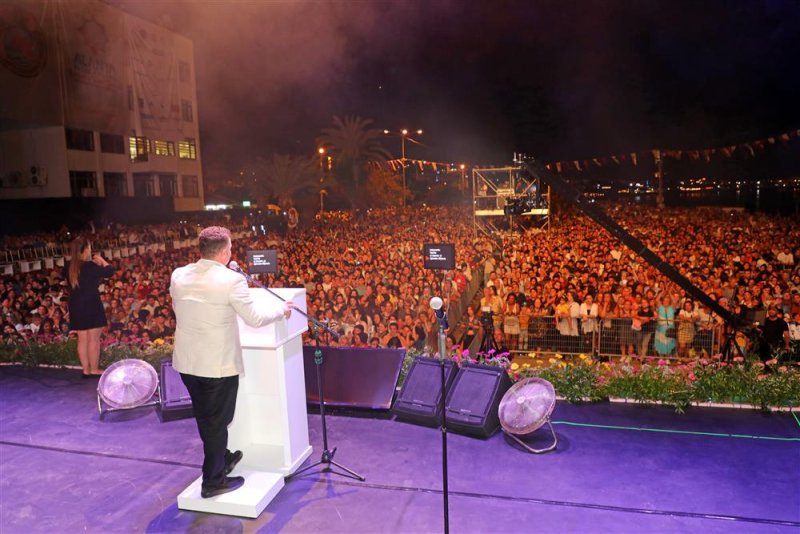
138,148
164,148
187,149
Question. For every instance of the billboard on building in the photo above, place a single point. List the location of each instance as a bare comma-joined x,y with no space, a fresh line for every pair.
29,74
93,56
155,78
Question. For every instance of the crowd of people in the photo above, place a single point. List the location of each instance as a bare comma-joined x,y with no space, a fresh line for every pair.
561,287
363,273
554,289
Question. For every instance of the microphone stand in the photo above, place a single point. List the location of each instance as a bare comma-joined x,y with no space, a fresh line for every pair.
317,327
442,319
326,459
442,349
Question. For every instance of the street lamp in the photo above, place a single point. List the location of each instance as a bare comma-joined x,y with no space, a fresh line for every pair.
322,191
403,135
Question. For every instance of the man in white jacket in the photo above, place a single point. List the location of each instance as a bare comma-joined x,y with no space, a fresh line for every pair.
207,297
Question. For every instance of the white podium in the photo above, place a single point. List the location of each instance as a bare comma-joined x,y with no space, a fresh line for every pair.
270,425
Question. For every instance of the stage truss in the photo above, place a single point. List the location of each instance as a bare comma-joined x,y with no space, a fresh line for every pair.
495,187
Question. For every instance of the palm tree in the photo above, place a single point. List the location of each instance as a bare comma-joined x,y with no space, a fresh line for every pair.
285,177
353,143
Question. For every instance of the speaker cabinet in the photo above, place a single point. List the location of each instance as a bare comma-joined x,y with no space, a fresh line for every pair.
354,378
174,400
420,397
474,398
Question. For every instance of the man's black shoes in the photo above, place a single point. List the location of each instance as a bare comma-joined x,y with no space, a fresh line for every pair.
228,484
231,459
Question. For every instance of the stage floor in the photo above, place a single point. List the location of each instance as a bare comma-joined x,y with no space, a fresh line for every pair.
710,470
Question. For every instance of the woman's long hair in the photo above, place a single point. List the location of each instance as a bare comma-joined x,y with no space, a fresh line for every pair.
76,248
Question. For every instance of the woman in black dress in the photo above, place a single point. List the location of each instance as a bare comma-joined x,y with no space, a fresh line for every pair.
86,314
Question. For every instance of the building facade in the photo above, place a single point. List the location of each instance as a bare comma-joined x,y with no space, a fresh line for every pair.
95,102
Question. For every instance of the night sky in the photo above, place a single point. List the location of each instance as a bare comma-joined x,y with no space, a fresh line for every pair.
484,79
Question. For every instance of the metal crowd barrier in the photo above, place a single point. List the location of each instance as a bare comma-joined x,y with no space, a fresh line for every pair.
109,244
610,337
29,259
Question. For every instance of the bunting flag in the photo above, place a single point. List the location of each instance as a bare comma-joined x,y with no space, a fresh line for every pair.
750,148
397,164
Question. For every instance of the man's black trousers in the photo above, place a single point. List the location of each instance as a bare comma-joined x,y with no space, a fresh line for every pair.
213,401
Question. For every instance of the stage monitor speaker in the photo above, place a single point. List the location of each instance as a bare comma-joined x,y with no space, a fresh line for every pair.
474,398
174,400
420,397
354,377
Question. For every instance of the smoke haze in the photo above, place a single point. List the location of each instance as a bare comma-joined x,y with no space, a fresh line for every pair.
484,79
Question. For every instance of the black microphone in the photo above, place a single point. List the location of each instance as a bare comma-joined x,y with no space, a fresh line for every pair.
436,303
233,266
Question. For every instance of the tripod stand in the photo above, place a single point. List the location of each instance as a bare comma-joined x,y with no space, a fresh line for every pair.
730,348
326,459
487,342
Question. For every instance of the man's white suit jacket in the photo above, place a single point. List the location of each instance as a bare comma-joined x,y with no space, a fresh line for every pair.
207,297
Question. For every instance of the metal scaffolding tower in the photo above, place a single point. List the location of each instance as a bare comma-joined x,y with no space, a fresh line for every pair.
506,200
